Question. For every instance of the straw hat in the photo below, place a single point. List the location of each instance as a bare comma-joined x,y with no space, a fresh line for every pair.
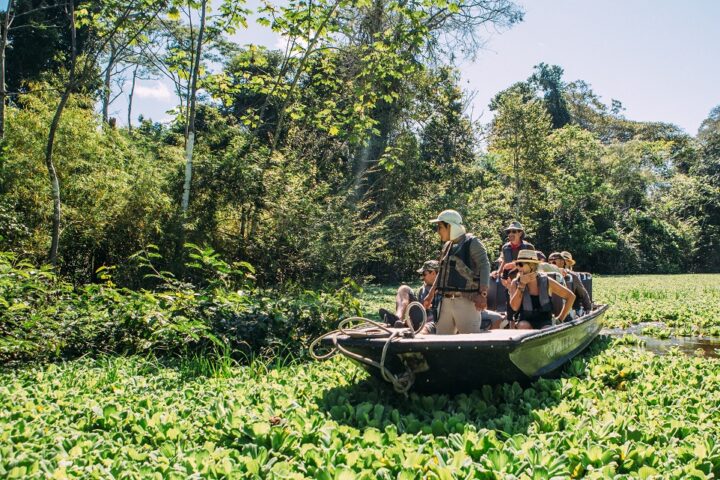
527,256
568,258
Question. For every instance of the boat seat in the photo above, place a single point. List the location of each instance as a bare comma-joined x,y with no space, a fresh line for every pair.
497,295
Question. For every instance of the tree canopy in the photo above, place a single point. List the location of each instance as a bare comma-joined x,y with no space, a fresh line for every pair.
325,159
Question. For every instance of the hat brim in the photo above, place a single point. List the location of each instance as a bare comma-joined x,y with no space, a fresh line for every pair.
513,228
569,261
435,220
420,270
529,260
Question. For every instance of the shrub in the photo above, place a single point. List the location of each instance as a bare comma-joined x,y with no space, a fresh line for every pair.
44,318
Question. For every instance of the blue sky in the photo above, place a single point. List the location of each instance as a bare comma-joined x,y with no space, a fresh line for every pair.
4,5
659,57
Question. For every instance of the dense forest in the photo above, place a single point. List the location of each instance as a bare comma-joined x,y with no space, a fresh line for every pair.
324,160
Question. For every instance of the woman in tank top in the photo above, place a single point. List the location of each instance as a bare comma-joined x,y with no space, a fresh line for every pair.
531,292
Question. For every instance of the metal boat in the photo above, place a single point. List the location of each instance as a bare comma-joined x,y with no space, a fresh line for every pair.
464,362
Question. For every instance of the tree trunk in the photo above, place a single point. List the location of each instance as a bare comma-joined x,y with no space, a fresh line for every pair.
4,27
106,85
54,181
190,140
130,98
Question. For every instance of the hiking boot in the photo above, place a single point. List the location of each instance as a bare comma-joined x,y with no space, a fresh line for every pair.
387,317
416,313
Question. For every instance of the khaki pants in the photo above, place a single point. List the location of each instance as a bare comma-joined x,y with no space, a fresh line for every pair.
458,315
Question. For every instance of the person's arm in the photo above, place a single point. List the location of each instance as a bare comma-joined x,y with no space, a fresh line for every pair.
516,293
427,303
482,264
443,257
564,293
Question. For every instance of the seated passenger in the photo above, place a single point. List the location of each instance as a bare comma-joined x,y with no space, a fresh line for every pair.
552,271
405,296
531,292
509,251
565,262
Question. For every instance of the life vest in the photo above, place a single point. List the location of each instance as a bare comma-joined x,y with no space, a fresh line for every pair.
456,272
544,294
507,251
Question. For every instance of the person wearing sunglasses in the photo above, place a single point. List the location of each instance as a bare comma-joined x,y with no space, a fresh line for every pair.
405,296
531,294
509,251
463,278
564,261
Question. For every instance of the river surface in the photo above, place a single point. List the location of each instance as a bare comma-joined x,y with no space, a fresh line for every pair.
703,346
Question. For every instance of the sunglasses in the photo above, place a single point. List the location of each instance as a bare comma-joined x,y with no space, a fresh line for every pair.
514,231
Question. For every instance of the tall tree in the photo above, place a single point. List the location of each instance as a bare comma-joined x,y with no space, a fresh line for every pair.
5,23
190,32
106,20
549,79
520,135
8,35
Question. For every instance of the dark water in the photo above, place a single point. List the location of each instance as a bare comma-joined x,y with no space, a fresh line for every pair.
703,346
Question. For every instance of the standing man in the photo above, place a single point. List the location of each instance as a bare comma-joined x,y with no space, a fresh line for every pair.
463,278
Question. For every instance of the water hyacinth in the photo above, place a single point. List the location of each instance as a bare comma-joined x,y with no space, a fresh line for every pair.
614,411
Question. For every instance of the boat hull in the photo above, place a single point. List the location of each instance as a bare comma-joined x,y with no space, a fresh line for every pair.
461,363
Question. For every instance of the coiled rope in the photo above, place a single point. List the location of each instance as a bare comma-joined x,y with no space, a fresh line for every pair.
366,328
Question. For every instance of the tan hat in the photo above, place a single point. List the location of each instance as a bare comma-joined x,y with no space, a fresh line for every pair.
527,256
429,266
567,257
448,216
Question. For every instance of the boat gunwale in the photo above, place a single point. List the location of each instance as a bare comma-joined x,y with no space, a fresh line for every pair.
463,340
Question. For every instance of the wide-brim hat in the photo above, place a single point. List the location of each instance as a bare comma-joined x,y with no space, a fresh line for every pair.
514,226
527,256
448,216
555,255
567,256
429,266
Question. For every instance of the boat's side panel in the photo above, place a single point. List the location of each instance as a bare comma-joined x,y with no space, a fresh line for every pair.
461,369
540,355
